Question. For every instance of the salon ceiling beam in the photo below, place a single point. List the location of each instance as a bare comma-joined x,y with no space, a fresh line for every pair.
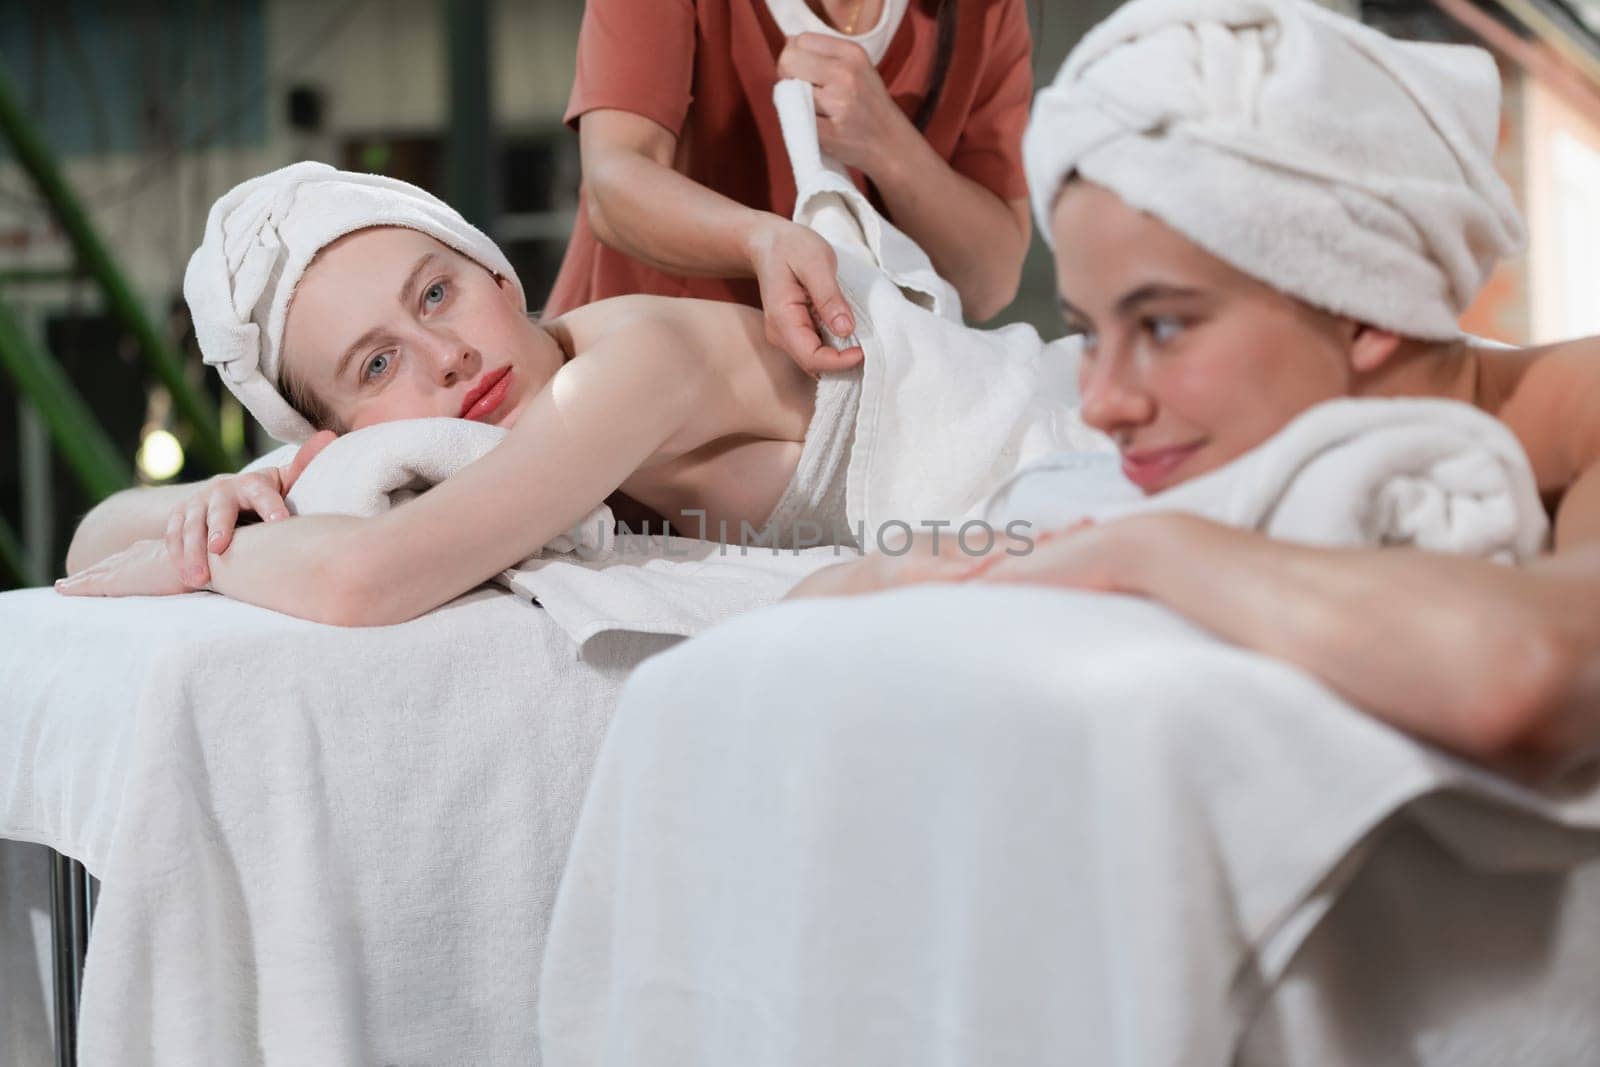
83,442
37,159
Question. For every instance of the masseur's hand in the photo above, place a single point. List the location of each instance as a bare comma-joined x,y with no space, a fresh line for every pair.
204,523
144,568
797,272
858,122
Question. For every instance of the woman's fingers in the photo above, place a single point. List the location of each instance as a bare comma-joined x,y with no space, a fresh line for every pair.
142,569
265,500
221,517
195,569
789,327
173,539
798,61
817,269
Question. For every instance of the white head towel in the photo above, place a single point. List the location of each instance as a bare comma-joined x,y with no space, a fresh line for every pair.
259,239
1336,164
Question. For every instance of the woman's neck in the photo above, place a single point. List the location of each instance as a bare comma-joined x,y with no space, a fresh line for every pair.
1447,370
853,17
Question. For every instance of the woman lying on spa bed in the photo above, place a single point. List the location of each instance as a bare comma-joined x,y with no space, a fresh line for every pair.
1194,357
405,311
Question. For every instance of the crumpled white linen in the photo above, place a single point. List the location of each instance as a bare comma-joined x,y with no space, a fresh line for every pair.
317,844
1214,116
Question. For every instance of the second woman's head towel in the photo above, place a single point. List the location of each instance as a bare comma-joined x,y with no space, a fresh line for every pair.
1314,153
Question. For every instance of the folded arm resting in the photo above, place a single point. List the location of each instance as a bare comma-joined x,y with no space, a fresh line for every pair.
570,448
1495,662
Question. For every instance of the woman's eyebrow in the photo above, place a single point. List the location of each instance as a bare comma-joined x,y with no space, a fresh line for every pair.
1131,302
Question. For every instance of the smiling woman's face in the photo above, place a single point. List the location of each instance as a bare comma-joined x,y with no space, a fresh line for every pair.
1188,363
388,323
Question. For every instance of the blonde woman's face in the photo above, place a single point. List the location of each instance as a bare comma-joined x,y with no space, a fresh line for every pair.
1188,363
388,323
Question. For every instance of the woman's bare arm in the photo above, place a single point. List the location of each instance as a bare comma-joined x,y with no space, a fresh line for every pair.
595,423
119,520
599,419
1499,663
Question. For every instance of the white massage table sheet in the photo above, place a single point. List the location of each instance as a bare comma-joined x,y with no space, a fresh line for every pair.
1005,825
318,844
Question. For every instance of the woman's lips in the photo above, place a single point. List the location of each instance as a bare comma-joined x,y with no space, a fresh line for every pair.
1149,470
487,395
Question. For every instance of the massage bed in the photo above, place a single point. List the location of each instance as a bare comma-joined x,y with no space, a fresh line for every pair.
315,844
1017,826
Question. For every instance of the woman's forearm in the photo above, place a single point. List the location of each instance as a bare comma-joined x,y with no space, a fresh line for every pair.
310,567
1475,656
975,239
119,520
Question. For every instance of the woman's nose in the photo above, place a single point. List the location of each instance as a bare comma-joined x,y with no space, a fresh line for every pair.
457,360
1111,401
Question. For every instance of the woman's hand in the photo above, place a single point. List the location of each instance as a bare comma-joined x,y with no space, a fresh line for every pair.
797,272
1088,556
857,120
144,568
928,558
204,523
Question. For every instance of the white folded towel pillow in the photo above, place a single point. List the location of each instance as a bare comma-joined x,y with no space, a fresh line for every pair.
262,235
1336,164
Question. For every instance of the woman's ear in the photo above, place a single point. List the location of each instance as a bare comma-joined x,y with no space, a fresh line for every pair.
1371,348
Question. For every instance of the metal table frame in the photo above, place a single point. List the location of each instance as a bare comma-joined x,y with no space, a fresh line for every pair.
72,901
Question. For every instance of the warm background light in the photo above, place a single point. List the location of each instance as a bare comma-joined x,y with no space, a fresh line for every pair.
160,456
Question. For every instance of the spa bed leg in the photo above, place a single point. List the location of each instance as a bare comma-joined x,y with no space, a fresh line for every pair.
72,894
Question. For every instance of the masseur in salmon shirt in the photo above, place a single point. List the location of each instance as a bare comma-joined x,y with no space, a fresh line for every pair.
687,189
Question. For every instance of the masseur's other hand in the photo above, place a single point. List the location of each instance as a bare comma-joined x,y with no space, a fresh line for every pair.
204,523
797,272
857,120
144,568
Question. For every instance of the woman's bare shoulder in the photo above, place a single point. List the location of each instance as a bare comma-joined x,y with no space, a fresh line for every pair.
1551,400
704,328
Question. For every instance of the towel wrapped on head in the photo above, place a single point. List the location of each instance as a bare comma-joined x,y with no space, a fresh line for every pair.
260,238
1332,162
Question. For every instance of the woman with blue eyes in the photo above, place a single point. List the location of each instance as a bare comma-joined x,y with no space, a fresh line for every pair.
683,405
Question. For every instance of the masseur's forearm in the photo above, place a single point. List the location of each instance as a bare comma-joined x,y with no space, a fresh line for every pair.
121,519
974,238
1496,662
651,212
